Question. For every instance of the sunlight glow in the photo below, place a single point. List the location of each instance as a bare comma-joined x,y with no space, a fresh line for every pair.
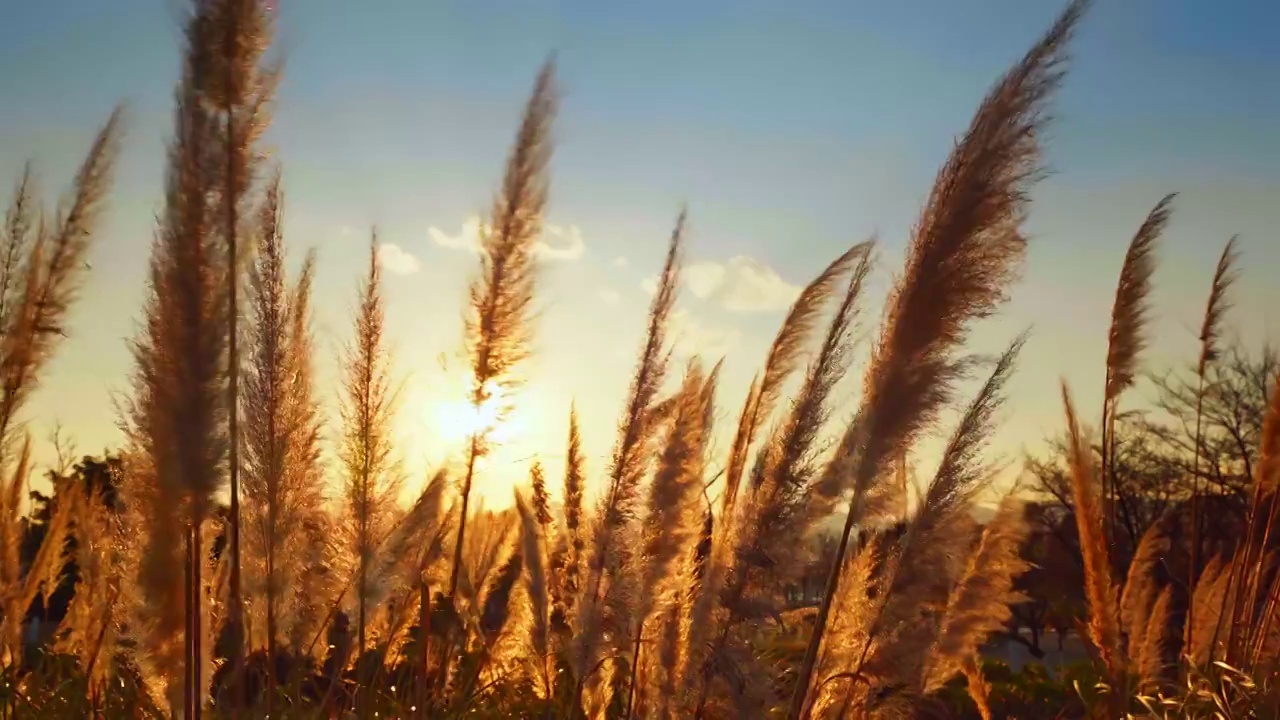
457,421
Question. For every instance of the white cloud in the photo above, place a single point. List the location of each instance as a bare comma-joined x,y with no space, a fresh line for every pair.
694,337
704,279
621,261
743,284
556,243
467,239
396,260
610,296
561,243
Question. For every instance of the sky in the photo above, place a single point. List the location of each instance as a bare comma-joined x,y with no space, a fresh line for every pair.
790,130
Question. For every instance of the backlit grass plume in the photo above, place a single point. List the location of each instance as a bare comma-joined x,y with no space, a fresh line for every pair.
785,357
283,483
1128,335
964,251
902,625
566,560
177,420
499,319
673,515
229,39
1224,276
370,479
41,271
628,464
1100,589
759,550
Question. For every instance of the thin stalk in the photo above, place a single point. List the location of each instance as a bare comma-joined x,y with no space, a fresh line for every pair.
197,622
462,519
635,663
233,413
801,694
189,636
424,626
1195,512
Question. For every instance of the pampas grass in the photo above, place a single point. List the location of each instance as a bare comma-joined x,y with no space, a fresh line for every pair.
371,480
657,600
629,462
40,279
1100,590
1210,332
964,251
499,322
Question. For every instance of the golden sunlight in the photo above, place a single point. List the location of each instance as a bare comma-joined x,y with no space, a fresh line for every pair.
447,420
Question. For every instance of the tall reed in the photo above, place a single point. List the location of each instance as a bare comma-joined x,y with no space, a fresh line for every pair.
963,252
499,321
371,481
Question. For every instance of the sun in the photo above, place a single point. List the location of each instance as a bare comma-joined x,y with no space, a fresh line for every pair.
456,421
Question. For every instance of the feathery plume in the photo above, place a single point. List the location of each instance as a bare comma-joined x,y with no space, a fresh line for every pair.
541,501
1127,337
673,521
1140,588
533,548
785,357
1210,331
979,603
371,481
568,562
43,275
178,415
304,471
41,271
906,624
499,322
1150,655
412,544
768,544
1103,626
628,464
963,253
229,39
1224,276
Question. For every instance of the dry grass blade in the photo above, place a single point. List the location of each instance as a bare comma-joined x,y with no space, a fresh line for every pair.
979,604
46,282
1224,276
571,542
903,628
533,547
629,461
1103,626
1127,337
1151,655
785,357
1210,331
1140,589
499,321
370,480
964,251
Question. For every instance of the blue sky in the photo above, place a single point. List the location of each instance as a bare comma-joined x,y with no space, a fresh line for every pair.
791,130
